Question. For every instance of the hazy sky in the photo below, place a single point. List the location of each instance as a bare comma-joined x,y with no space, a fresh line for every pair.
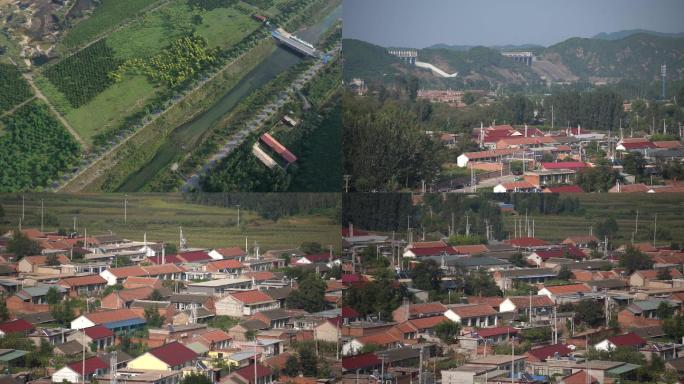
421,23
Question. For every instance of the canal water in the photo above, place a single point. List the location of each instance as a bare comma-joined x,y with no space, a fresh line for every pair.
187,136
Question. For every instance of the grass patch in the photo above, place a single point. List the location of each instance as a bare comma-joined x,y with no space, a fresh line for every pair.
160,215
109,109
622,207
105,17
224,27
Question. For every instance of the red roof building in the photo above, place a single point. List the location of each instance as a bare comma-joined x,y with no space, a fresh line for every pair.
92,365
16,326
627,340
574,165
278,148
548,351
526,242
174,354
497,331
194,256
366,361
98,332
564,189
247,373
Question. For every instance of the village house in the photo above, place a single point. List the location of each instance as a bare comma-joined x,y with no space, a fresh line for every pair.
522,305
472,315
245,303
168,357
116,320
510,278
565,293
99,336
72,373
32,264
628,340
644,277
413,311
246,375
83,285
125,297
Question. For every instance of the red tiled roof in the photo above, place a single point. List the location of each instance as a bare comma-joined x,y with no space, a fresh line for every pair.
427,244
579,377
278,148
16,326
248,372
630,188
653,273
215,335
360,361
488,154
139,281
224,264
466,311
639,145
123,272
670,144
163,269
103,317
565,189
130,294
251,297
349,312
565,165
571,252
569,288
259,275
318,257
83,280
231,252
379,339
173,354
470,249
42,260
92,364
537,301
194,256
489,332
545,352
432,251
627,340
98,332
168,259
352,278
492,301
428,322
417,309
526,242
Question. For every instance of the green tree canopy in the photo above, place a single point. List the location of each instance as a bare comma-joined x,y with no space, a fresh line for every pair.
447,331
633,259
310,294
20,245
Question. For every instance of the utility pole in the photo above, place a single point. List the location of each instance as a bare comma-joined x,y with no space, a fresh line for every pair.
655,223
346,183
42,210
636,223
238,221
125,209
22,207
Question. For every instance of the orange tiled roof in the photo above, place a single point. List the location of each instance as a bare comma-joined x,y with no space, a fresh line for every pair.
566,289
102,317
83,280
428,322
537,301
251,297
223,264
466,311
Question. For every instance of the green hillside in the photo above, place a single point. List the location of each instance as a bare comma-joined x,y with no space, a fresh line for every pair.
367,61
637,56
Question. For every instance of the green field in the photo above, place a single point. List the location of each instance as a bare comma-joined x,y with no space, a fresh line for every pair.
144,37
105,17
111,111
622,207
160,215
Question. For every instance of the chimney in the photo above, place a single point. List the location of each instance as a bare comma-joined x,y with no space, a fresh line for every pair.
525,130
351,230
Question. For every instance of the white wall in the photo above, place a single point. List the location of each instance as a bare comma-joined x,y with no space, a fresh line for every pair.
507,306
107,275
462,161
66,374
81,322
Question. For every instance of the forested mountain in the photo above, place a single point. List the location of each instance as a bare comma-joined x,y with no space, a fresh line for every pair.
628,32
635,57
366,60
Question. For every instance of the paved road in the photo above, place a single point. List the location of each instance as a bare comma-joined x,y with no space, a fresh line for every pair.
238,138
493,182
